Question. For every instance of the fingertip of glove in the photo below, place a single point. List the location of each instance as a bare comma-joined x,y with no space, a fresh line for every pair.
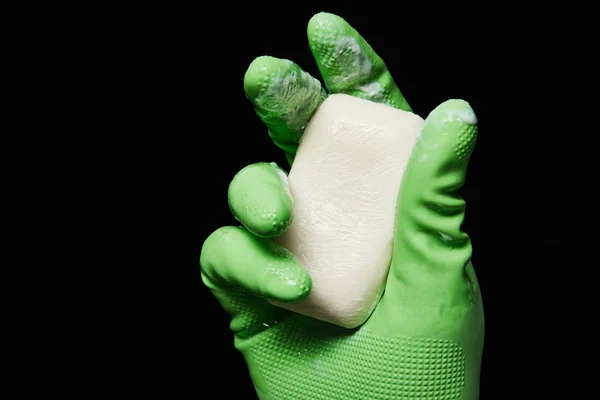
259,197
288,285
456,120
454,109
323,21
260,73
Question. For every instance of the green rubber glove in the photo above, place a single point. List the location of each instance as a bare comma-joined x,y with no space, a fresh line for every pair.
425,338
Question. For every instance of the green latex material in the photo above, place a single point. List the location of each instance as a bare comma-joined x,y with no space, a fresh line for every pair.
425,338
257,200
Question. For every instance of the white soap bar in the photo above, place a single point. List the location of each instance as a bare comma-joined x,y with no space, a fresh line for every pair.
344,182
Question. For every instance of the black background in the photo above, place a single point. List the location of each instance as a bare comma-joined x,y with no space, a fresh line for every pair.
160,125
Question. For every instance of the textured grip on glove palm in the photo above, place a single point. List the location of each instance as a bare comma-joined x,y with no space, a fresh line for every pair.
349,366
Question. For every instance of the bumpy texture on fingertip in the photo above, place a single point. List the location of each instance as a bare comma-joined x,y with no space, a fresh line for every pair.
343,56
348,64
259,197
233,257
286,282
284,97
457,119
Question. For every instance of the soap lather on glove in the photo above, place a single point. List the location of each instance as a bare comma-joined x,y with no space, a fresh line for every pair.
350,278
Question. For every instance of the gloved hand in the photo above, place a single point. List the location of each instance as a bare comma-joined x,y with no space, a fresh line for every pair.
425,338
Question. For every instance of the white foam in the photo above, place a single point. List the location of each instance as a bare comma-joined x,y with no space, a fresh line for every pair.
295,89
358,66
